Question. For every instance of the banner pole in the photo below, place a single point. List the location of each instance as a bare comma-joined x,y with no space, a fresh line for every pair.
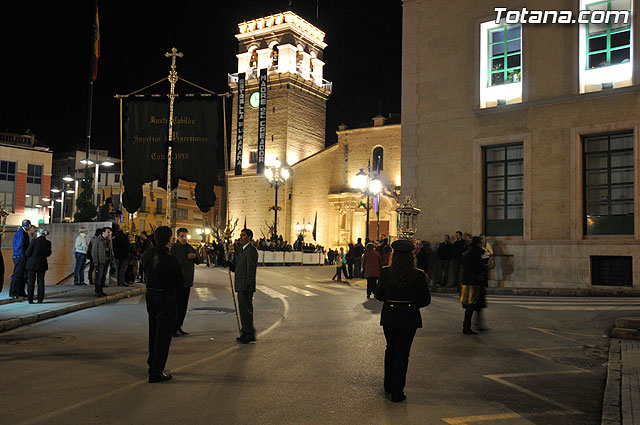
173,78
235,306
128,223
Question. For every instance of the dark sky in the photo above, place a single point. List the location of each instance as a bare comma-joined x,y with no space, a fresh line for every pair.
47,47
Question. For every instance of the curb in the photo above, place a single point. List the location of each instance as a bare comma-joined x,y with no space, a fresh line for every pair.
6,325
21,299
611,404
551,292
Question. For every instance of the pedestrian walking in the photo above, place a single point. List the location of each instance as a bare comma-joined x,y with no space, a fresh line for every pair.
358,252
473,294
245,269
339,265
459,247
19,276
81,247
101,255
143,244
164,276
404,291
92,264
372,265
386,255
444,255
188,258
121,247
36,264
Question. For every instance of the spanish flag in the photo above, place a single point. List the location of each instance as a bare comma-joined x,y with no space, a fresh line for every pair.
96,45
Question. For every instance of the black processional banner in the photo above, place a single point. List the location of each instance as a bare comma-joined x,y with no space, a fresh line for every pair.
262,120
195,129
240,121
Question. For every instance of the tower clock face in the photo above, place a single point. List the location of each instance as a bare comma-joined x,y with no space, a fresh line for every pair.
254,100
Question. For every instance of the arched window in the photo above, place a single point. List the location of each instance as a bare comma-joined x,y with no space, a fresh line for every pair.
378,159
274,55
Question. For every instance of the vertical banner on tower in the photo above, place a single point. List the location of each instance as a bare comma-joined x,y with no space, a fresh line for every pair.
240,120
262,120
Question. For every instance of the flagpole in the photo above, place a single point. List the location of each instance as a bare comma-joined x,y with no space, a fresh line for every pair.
96,53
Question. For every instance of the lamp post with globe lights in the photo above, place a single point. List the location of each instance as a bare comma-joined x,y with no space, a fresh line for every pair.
369,185
276,175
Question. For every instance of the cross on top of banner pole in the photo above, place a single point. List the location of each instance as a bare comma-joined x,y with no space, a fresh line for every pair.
174,53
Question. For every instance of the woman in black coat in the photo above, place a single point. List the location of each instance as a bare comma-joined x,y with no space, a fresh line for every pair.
404,290
472,294
37,253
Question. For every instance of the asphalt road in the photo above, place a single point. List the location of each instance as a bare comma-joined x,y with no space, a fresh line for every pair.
318,360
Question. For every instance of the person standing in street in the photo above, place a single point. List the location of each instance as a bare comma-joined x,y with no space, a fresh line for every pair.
143,244
372,265
81,247
121,248
358,252
459,247
339,256
422,256
245,269
101,255
1,271
444,255
188,258
472,294
404,291
92,264
19,276
164,276
350,258
36,265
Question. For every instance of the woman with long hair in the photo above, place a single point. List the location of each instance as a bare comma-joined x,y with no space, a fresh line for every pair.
404,290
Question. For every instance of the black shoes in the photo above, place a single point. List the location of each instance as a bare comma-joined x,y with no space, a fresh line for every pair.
182,332
160,378
398,398
245,339
469,332
100,294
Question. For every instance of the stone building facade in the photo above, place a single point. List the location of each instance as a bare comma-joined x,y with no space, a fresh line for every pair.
528,133
321,178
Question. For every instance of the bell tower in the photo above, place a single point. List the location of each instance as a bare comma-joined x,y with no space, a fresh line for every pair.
290,49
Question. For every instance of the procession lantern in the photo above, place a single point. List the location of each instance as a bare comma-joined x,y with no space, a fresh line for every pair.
408,217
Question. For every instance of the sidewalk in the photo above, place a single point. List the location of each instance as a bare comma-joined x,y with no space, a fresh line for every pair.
59,300
621,404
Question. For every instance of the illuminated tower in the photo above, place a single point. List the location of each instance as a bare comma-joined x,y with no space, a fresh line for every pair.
290,49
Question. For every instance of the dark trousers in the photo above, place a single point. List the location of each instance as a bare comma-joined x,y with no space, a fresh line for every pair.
245,308
344,272
161,308
357,267
468,314
78,271
457,265
121,265
350,269
19,276
444,272
92,272
371,285
396,358
101,270
33,276
182,300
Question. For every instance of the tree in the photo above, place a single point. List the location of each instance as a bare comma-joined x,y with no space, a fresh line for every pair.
84,203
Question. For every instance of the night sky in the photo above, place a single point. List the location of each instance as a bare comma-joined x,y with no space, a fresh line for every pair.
47,54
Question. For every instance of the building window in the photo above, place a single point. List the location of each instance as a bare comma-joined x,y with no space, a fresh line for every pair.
253,157
116,178
6,200
99,177
608,43
378,159
34,174
181,213
505,55
605,53
503,190
8,171
30,201
143,204
608,184
158,205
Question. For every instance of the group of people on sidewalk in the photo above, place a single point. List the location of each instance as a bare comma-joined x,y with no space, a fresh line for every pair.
30,251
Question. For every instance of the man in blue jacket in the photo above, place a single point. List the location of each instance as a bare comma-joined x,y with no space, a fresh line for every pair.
20,245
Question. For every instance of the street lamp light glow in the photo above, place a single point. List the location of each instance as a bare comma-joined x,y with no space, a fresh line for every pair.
268,173
198,231
50,207
207,231
107,163
70,191
86,161
54,190
375,186
308,226
298,226
68,178
38,206
59,200
45,199
285,173
360,180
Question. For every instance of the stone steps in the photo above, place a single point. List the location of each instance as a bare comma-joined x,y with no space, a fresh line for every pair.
627,328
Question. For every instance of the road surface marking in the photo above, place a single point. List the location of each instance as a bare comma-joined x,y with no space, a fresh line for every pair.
464,420
578,308
205,294
498,378
534,351
337,285
271,292
320,288
558,302
300,291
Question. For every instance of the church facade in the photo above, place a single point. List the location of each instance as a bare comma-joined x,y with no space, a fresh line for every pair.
322,180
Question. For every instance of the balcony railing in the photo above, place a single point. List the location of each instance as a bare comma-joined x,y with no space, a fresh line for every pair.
274,69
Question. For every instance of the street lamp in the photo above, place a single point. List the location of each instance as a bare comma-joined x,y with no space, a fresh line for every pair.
408,217
369,185
303,228
276,175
